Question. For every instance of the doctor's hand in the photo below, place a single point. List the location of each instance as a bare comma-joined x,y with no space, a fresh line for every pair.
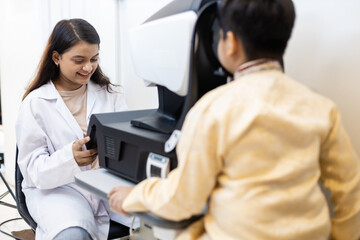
83,157
116,198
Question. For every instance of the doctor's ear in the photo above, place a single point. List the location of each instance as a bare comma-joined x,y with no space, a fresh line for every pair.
56,57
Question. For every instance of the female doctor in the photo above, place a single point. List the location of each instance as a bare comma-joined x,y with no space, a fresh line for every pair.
51,133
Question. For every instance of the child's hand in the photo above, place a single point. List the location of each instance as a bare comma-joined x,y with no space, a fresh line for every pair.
83,157
116,198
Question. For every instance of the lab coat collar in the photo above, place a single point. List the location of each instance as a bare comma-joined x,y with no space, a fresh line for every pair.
49,92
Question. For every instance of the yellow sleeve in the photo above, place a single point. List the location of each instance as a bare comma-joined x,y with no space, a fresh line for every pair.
187,188
340,167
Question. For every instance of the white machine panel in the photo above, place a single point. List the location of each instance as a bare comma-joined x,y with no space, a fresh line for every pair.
167,49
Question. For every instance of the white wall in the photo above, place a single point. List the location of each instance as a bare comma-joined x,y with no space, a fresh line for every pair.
133,13
324,53
25,26
20,49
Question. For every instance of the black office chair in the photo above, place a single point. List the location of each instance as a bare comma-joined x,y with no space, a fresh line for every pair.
116,230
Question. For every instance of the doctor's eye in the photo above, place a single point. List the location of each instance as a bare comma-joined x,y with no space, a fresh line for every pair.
78,61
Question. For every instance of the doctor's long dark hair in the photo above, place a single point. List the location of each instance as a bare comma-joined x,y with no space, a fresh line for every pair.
66,34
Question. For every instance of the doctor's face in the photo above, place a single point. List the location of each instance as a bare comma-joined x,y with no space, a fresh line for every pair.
76,65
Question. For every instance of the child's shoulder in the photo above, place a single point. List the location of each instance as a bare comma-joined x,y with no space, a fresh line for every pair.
261,91
220,98
303,92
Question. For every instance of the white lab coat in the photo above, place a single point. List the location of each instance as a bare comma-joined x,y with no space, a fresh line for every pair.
45,131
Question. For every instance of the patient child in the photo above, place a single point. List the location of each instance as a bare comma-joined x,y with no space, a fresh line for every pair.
255,149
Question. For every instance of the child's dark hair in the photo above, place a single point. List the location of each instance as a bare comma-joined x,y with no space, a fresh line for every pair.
263,26
66,34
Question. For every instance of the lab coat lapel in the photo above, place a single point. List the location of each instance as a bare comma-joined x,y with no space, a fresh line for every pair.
68,117
63,110
90,101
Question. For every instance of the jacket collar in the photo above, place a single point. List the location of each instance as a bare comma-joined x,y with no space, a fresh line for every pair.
257,66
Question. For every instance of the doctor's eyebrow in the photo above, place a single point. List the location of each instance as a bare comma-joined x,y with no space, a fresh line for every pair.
79,56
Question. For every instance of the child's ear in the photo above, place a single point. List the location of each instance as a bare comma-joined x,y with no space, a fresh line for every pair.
232,44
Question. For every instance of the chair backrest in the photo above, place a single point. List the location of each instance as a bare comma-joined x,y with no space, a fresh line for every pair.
20,197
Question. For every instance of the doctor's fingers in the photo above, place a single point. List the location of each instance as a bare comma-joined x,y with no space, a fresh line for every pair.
83,161
85,157
90,152
78,153
78,143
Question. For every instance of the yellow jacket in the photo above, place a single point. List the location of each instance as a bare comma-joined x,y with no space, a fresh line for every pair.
255,149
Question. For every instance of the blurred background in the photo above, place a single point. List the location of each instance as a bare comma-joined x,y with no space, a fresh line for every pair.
323,53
